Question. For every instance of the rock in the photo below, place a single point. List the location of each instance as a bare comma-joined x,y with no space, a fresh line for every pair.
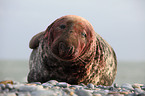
23,94
10,94
143,88
91,86
43,93
0,89
63,84
2,86
37,83
6,82
112,89
83,92
102,92
137,85
31,88
116,85
53,82
115,94
50,92
76,86
6,90
141,94
69,91
138,90
47,85
1,94
127,86
17,86
9,86
96,94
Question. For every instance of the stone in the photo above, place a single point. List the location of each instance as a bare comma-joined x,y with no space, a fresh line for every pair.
37,83
6,90
141,94
113,89
69,91
137,85
127,86
10,94
83,92
1,94
23,94
114,94
90,85
31,88
53,82
2,86
96,94
47,85
9,86
102,92
6,82
116,85
76,86
138,90
43,93
143,88
63,84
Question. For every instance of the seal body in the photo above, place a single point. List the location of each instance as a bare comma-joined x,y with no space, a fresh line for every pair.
70,51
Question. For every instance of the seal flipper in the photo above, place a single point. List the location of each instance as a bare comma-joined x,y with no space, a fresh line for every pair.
34,42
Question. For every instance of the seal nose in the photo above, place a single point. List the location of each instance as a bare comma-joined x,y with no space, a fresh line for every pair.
62,46
65,50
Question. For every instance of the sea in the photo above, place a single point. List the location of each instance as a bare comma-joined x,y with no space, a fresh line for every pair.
127,72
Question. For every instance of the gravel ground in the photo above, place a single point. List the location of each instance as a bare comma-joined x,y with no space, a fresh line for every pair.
55,88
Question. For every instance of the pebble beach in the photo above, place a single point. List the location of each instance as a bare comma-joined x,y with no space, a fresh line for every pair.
55,88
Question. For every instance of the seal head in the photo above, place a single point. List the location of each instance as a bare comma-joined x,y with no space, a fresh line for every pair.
69,37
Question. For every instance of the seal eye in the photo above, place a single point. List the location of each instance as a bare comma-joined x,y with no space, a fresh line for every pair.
62,26
84,34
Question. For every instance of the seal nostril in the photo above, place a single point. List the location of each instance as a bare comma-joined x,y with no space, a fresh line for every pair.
62,46
70,50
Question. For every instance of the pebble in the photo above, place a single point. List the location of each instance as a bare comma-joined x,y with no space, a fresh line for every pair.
10,94
91,86
9,86
53,82
113,89
43,93
137,85
138,90
31,88
23,94
2,86
63,84
47,85
116,85
83,92
55,88
127,86
37,83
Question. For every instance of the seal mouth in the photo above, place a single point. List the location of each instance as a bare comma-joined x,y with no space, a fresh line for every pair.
64,51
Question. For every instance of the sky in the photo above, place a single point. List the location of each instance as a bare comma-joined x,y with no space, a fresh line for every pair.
120,22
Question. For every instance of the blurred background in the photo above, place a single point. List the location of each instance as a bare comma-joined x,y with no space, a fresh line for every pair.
121,23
